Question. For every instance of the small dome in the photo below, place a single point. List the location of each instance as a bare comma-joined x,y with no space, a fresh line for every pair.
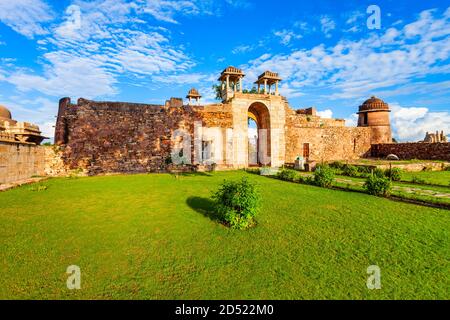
374,103
4,113
193,93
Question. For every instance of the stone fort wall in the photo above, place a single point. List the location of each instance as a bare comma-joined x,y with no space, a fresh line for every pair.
416,150
328,139
102,137
21,161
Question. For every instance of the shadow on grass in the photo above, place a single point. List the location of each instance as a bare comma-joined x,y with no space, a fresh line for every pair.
204,206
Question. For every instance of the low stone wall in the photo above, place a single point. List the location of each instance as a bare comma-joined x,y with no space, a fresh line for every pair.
20,161
328,143
418,150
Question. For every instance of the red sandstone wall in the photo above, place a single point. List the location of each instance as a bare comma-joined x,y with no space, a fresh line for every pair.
107,137
406,151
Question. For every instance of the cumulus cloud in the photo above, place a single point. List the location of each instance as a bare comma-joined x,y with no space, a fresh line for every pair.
328,113
67,75
359,68
26,16
41,110
411,123
96,43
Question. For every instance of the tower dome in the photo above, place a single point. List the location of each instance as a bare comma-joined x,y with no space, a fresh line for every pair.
5,114
373,103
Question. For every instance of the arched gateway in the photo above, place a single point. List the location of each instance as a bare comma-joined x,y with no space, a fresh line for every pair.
259,146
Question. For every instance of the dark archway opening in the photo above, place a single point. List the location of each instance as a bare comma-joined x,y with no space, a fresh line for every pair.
259,144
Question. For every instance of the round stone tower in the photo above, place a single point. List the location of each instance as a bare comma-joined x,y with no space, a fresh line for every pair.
374,113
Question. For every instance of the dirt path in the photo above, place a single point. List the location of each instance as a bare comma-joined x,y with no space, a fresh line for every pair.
421,191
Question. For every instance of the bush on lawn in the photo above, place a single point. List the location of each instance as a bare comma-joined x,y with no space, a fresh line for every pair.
350,171
324,176
287,175
364,169
395,174
338,165
378,186
237,203
377,172
418,180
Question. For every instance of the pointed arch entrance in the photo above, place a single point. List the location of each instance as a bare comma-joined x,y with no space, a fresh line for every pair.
259,149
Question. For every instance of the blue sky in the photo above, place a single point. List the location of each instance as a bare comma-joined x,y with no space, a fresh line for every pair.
150,50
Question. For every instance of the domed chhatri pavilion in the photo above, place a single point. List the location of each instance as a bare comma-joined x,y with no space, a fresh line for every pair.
102,137
18,132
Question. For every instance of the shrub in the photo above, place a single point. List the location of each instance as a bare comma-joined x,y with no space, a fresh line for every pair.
377,172
378,186
337,165
350,171
447,168
287,175
324,176
364,169
418,180
395,174
237,203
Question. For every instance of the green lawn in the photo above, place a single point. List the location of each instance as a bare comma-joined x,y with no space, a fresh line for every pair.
432,177
149,237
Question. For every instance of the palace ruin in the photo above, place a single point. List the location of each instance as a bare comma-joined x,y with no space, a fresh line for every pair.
103,137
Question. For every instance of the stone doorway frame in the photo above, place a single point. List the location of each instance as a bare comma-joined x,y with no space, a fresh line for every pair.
260,113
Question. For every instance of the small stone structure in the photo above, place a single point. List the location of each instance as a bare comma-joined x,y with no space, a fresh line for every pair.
102,137
193,95
435,137
21,157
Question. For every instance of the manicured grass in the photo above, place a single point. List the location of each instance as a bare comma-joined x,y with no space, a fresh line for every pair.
151,237
431,177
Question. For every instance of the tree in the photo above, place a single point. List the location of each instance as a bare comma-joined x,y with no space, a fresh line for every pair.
218,90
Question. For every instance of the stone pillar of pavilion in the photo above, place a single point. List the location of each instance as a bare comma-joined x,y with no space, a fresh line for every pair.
193,94
268,78
231,79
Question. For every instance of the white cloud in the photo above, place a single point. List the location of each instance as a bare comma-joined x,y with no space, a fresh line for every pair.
242,49
67,75
356,69
190,78
286,36
40,111
26,16
327,25
411,124
165,10
328,114
354,17
94,46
